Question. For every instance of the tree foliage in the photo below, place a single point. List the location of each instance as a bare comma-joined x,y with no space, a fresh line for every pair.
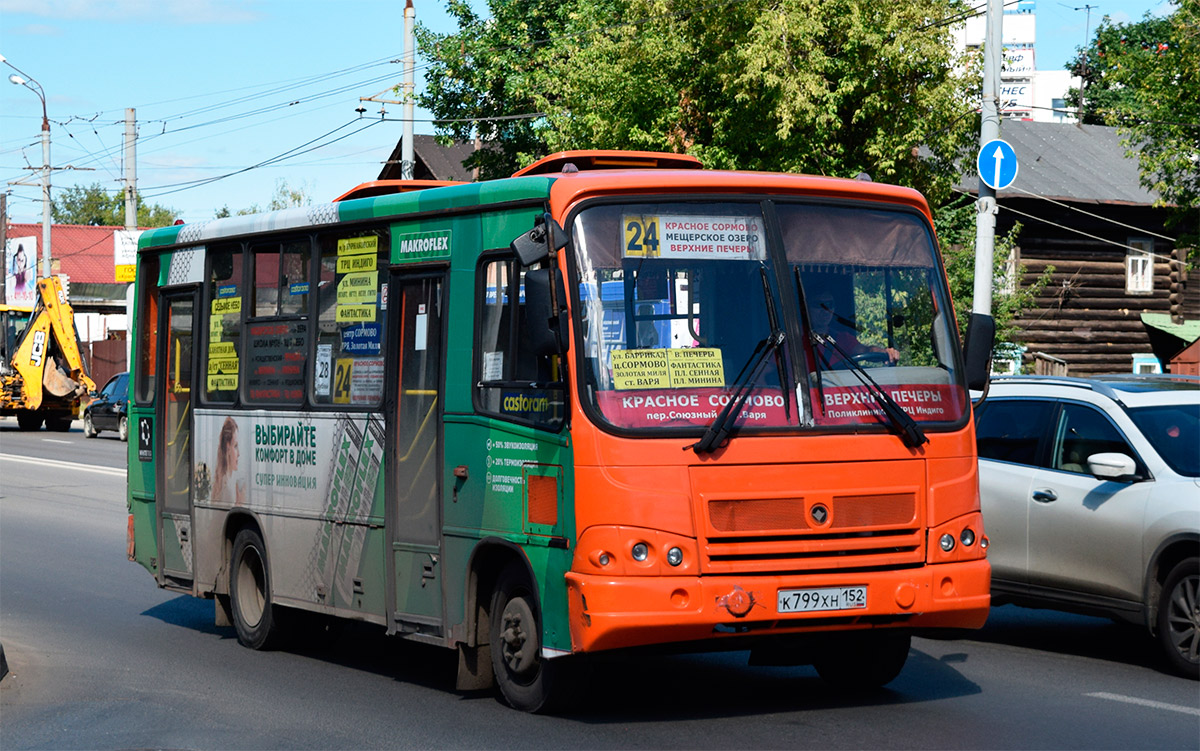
95,206
830,87
1144,78
285,197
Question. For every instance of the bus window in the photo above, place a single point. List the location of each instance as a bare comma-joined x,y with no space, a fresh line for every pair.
224,330
281,273
874,297
680,308
515,383
278,333
351,295
147,335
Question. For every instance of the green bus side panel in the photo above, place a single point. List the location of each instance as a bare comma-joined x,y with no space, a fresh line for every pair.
159,236
451,198
145,539
492,503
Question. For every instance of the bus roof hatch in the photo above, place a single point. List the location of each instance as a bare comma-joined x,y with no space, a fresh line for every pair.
387,187
563,161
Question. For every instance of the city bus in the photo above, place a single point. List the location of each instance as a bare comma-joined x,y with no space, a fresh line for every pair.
614,401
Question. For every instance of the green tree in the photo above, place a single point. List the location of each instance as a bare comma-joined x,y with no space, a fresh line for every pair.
955,222
830,87
481,79
1152,69
1101,66
95,206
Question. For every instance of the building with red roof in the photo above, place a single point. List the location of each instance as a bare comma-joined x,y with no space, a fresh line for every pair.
85,255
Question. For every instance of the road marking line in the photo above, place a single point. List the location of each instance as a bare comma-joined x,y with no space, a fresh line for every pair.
65,465
55,440
1146,703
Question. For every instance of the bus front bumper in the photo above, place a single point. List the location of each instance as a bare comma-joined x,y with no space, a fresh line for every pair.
608,612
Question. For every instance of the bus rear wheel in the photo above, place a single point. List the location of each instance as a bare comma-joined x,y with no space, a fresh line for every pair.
250,592
527,680
864,660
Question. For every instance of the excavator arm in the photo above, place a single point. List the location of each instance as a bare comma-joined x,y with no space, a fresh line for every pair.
48,352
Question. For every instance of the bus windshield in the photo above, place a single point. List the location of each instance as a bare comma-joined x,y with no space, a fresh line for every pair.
685,306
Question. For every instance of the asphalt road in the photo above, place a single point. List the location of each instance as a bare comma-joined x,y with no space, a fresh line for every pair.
100,658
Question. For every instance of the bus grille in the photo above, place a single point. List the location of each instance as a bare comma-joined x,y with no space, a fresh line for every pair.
871,520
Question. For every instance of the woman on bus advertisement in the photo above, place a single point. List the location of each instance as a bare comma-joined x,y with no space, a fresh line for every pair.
228,488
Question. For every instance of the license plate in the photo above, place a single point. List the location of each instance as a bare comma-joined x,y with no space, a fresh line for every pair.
831,598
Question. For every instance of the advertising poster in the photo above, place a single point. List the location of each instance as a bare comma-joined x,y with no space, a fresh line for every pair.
323,468
20,274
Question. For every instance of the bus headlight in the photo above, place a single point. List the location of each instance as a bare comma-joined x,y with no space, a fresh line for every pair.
947,542
967,538
674,556
640,552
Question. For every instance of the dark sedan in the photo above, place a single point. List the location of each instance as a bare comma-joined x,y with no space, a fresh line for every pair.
109,408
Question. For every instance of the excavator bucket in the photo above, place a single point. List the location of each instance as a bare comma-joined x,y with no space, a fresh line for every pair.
57,381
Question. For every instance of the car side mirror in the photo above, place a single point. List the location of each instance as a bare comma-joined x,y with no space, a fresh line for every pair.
534,245
977,350
1112,466
547,330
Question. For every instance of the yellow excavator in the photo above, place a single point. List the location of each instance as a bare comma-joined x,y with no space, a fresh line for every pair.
42,373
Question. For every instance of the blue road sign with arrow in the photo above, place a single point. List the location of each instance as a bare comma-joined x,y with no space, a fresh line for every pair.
997,164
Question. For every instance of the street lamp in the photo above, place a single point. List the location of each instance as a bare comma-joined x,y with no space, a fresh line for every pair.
20,78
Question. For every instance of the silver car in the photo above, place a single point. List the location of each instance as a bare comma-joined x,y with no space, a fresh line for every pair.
1091,499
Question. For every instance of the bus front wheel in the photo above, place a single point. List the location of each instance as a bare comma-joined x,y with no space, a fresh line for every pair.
250,592
864,660
527,680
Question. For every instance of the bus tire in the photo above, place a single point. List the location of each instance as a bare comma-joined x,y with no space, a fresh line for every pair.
864,660
526,680
250,592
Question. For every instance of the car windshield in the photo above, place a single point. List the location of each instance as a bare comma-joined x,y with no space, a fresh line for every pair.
685,306
1174,431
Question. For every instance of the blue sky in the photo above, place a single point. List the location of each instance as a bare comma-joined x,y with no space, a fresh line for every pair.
222,85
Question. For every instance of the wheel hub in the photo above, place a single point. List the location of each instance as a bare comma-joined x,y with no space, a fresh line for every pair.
1184,618
518,637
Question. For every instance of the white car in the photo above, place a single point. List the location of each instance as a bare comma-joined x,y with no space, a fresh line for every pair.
1091,500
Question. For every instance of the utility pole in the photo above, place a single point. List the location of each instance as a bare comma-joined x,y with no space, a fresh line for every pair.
406,144
3,247
131,222
985,218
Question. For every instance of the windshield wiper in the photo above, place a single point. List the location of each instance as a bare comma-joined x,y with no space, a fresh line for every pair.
781,368
909,431
722,424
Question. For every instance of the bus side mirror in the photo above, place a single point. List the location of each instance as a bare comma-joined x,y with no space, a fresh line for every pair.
977,350
547,334
534,245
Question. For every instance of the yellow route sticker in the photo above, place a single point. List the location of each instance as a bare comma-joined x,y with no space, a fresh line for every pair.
640,369
695,368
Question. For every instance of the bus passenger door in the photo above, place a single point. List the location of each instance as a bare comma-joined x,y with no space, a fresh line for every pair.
414,512
173,413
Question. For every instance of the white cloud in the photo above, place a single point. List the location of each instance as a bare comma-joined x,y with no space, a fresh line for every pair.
37,30
139,11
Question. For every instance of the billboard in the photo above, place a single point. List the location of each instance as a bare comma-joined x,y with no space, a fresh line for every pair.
20,270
